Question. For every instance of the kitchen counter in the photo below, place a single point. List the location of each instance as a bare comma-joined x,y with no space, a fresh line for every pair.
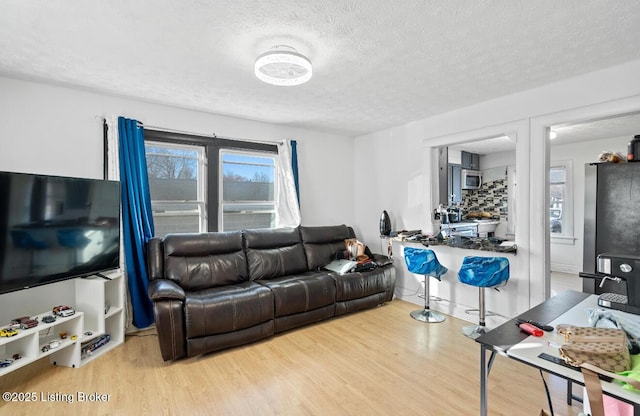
455,297
472,243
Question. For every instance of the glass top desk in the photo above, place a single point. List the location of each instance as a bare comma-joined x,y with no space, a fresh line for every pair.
568,307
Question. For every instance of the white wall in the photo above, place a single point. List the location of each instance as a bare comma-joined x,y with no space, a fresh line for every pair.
393,159
565,256
57,130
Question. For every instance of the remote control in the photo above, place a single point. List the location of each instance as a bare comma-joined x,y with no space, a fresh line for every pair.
560,361
547,328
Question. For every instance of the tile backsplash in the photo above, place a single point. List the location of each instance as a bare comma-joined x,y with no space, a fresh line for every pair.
491,197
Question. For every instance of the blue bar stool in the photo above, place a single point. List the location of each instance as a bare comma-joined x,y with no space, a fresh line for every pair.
423,261
482,272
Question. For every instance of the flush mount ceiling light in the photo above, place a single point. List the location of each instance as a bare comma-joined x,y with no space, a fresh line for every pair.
283,65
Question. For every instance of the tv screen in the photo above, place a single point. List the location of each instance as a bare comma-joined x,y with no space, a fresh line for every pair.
54,228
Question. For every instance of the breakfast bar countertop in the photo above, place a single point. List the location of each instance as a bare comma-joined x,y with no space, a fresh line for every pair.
492,244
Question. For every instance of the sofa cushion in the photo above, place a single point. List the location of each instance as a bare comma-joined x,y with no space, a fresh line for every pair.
226,309
273,253
200,261
322,243
301,293
358,285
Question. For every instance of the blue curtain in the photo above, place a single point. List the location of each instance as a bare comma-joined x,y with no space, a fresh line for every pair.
294,167
137,220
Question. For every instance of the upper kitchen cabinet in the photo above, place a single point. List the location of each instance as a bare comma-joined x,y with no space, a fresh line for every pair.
494,174
470,160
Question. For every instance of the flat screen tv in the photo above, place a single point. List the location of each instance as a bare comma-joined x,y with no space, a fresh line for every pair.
54,228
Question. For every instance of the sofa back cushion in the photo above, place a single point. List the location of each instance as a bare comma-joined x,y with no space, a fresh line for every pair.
322,243
206,260
273,253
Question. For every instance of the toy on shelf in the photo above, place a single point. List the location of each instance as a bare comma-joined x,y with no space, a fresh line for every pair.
63,310
24,322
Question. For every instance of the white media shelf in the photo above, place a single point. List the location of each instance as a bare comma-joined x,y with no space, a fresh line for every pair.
88,296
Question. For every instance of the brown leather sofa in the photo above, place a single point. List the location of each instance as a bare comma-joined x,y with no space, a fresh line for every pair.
213,291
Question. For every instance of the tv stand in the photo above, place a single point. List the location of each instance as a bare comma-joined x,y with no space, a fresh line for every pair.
105,277
91,323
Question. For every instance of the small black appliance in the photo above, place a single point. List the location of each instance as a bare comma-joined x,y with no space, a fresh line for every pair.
385,224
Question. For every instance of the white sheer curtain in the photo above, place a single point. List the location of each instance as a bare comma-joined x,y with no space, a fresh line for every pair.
287,208
113,173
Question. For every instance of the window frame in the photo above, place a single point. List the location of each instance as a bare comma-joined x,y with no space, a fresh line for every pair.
213,146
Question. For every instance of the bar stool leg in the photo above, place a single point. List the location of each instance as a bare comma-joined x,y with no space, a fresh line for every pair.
481,307
427,315
474,331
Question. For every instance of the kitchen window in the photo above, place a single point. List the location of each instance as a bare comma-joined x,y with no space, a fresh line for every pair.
201,184
561,202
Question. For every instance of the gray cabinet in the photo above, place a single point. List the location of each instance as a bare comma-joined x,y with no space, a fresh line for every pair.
470,160
454,181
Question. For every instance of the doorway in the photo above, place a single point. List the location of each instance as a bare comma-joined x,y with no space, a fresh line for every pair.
571,147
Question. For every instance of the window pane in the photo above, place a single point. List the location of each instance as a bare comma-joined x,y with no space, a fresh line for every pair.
557,174
247,177
177,194
246,216
173,173
557,196
176,218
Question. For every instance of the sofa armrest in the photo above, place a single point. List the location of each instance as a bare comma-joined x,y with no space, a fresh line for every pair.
163,289
382,260
168,303
169,318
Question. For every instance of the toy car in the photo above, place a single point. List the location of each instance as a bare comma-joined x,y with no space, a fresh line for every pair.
16,356
54,344
63,310
23,322
29,323
45,348
49,319
5,363
15,323
8,332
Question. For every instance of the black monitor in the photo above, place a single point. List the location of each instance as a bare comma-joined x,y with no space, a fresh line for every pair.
54,228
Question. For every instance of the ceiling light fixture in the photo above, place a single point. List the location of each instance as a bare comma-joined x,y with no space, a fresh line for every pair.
283,65
553,134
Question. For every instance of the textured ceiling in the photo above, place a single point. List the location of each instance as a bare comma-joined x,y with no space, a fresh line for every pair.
377,63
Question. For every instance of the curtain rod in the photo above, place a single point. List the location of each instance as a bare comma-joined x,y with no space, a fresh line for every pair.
211,135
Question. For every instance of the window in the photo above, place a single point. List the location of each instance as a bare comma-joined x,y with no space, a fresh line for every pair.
248,194
203,184
561,199
176,182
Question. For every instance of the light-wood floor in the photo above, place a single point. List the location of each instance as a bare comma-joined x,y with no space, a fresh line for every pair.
375,362
565,281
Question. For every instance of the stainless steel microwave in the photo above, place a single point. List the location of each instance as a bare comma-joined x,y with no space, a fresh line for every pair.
471,179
